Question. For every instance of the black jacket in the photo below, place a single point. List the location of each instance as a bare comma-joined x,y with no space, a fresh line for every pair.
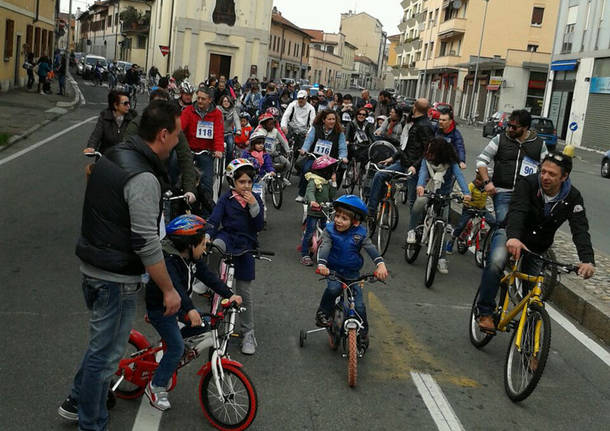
509,158
351,128
534,225
420,134
106,239
107,133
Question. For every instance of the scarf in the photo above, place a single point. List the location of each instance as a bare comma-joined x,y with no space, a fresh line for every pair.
239,198
258,155
437,174
317,179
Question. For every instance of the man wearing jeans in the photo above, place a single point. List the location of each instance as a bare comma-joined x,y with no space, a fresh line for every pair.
119,242
515,153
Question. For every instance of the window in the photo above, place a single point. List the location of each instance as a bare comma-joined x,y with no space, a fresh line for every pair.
8,39
330,49
289,43
29,37
37,42
537,15
109,21
43,43
532,48
116,19
568,35
443,49
141,42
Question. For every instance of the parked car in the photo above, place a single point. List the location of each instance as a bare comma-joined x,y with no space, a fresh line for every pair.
302,81
75,58
89,63
605,170
545,128
437,109
495,124
287,81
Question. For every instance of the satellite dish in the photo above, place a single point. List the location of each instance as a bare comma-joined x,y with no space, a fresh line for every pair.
457,4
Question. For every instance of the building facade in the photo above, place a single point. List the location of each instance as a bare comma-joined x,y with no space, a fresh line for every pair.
223,37
409,46
326,65
62,32
515,47
116,30
578,88
288,49
26,26
366,33
365,75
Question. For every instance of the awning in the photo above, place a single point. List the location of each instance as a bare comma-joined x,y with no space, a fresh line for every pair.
564,65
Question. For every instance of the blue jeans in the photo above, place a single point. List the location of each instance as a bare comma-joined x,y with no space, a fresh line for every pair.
167,327
334,289
310,228
230,147
113,310
492,273
377,186
466,215
205,164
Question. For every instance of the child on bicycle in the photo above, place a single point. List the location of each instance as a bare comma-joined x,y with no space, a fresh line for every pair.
256,154
241,141
234,225
321,188
439,167
275,142
342,241
183,248
477,202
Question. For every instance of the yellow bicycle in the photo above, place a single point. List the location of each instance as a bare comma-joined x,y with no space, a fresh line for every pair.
523,312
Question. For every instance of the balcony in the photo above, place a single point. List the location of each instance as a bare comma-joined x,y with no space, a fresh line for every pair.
421,17
451,28
450,60
405,3
402,26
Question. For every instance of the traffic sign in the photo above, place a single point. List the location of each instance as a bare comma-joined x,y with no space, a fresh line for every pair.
573,126
164,49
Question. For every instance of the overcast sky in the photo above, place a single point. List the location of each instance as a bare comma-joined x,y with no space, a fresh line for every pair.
319,14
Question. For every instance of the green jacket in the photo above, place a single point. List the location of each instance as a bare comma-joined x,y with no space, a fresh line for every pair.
327,193
183,153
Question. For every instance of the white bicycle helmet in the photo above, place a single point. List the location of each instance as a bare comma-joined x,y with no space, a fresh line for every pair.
186,87
236,165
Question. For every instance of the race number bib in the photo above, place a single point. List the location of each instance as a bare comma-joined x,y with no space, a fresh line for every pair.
370,120
323,147
528,167
346,117
269,144
205,130
257,188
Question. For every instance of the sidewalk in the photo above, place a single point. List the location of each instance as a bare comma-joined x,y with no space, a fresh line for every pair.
23,111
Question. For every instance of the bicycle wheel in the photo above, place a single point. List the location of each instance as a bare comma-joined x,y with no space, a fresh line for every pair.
478,252
477,337
128,390
394,215
437,236
486,247
277,193
352,358
233,409
524,366
384,226
412,250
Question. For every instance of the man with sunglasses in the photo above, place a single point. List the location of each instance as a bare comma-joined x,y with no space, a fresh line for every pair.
540,204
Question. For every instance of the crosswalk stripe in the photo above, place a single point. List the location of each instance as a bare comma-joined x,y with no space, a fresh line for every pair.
441,411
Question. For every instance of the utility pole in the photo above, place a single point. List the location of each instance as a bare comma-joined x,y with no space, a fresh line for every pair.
476,69
68,33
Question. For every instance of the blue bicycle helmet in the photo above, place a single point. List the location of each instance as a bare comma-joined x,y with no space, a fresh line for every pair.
185,225
352,203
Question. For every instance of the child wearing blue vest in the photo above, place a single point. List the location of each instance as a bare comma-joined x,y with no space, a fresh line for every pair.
340,252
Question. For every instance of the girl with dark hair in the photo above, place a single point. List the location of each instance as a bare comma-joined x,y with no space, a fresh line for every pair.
112,123
438,168
325,138
391,128
232,125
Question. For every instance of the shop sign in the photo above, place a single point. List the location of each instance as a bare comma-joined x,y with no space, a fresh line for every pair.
600,84
494,83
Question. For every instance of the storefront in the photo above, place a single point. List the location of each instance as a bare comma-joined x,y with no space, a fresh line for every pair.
562,94
595,134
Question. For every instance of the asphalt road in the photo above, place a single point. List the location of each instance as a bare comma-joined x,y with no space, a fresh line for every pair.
413,329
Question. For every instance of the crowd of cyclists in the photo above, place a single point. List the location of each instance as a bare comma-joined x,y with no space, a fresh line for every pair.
262,129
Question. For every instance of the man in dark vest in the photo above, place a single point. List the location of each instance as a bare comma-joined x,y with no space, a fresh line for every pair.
119,243
516,153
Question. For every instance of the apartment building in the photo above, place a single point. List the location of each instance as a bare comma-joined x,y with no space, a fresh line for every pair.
578,88
288,49
325,63
409,46
515,46
223,37
27,26
116,30
347,52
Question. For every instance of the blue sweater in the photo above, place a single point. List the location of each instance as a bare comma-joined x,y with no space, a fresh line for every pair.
454,137
234,225
447,179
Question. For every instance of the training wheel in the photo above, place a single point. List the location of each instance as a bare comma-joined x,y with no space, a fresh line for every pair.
302,337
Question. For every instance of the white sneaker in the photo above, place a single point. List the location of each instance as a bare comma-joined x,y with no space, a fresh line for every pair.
157,396
300,199
411,239
248,345
286,182
442,266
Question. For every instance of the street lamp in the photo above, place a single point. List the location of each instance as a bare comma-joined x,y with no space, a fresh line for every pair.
476,69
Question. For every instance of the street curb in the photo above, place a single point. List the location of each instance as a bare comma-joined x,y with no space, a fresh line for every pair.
68,106
579,306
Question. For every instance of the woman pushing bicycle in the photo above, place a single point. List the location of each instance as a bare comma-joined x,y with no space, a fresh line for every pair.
182,250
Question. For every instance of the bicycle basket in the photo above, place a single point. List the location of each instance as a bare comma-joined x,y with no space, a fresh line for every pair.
381,150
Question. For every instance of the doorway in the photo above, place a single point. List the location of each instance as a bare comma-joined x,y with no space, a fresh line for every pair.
220,65
17,60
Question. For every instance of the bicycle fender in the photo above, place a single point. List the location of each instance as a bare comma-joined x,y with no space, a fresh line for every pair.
138,339
224,361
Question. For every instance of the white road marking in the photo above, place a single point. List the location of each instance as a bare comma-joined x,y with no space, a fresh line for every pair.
589,343
441,411
44,141
148,417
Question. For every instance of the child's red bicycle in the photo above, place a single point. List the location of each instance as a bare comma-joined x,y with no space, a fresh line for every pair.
474,234
226,394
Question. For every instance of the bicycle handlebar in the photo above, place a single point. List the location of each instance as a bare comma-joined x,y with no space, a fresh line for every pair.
406,175
565,267
257,253
371,277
